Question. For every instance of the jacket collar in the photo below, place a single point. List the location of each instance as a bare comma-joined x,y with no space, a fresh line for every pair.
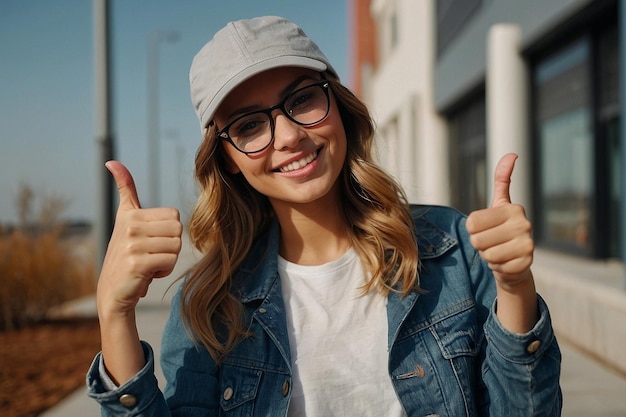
258,273
255,277
432,240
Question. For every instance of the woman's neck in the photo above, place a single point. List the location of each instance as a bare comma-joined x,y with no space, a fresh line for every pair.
312,234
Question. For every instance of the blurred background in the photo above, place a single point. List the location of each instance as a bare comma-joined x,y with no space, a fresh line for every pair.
452,84
47,87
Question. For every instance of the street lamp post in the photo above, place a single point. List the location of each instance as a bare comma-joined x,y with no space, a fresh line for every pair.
153,112
622,54
104,135
173,135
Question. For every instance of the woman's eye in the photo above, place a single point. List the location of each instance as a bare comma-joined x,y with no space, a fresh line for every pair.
247,126
250,125
300,100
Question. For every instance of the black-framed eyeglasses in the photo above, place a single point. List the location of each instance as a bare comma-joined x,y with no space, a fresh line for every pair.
254,132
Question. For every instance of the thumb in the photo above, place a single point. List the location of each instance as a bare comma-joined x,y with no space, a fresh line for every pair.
502,180
125,185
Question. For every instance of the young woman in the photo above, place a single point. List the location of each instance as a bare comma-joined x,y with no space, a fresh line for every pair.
321,292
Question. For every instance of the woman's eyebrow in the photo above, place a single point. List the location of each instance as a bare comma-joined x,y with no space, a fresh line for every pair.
283,93
243,110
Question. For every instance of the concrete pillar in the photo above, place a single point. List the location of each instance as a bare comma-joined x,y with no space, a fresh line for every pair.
507,109
432,149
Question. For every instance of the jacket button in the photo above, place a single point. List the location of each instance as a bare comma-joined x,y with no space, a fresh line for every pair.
228,393
533,346
285,388
262,310
128,401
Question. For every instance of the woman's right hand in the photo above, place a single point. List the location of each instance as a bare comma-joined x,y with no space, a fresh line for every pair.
144,245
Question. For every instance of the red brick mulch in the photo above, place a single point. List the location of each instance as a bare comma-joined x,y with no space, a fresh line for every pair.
42,364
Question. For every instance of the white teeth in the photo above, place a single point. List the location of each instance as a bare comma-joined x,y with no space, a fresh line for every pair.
299,164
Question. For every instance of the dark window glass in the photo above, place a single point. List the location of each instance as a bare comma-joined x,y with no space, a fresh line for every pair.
565,147
468,150
577,115
608,145
393,28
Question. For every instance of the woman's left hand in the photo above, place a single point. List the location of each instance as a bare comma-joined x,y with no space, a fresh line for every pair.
502,236
502,233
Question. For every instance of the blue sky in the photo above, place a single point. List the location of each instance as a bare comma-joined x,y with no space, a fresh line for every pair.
47,102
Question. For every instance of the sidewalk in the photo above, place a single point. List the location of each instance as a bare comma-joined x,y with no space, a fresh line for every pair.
589,388
152,313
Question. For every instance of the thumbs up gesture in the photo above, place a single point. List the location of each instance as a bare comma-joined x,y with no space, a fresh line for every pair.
502,233
144,245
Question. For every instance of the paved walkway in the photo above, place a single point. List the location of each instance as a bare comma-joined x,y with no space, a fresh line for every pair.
589,388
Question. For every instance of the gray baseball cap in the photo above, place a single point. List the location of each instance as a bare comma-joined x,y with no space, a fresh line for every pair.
243,49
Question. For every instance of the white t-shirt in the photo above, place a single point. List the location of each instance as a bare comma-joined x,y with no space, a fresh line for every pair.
338,339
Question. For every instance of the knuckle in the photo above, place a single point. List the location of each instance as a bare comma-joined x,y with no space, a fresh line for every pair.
133,230
530,246
178,229
475,241
134,249
470,223
135,264
487,255
172,213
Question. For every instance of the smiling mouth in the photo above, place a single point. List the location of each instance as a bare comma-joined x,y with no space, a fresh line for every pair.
301,163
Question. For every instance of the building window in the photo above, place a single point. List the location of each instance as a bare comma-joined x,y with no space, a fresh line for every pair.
393,30
608,145
392,147
565,154
576,113
389,33
467,152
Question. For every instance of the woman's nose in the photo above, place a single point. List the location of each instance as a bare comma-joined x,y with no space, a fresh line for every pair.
287,134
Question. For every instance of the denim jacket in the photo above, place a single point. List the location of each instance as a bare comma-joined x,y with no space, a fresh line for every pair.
448,354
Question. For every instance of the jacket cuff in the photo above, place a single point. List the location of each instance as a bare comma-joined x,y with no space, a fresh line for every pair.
132,397
523,348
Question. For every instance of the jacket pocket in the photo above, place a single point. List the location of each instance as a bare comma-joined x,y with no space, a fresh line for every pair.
239,388
456,335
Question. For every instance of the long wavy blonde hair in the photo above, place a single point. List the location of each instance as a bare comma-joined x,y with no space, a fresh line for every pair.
230,214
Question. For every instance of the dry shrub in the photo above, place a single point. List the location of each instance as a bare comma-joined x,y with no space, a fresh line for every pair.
40,267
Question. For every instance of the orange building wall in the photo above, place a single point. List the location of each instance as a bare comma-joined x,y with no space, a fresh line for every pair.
362,42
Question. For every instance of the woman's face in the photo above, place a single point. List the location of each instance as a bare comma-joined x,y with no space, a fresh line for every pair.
303,163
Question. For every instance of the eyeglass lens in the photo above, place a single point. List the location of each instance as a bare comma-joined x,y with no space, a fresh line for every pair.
253,132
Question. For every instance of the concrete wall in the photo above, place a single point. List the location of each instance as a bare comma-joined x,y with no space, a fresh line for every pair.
587,303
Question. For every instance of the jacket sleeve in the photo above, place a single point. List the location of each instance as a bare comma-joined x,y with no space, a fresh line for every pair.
140,396
519,373
191,388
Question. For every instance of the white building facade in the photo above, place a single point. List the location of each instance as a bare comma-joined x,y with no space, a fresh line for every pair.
411,135
456,84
